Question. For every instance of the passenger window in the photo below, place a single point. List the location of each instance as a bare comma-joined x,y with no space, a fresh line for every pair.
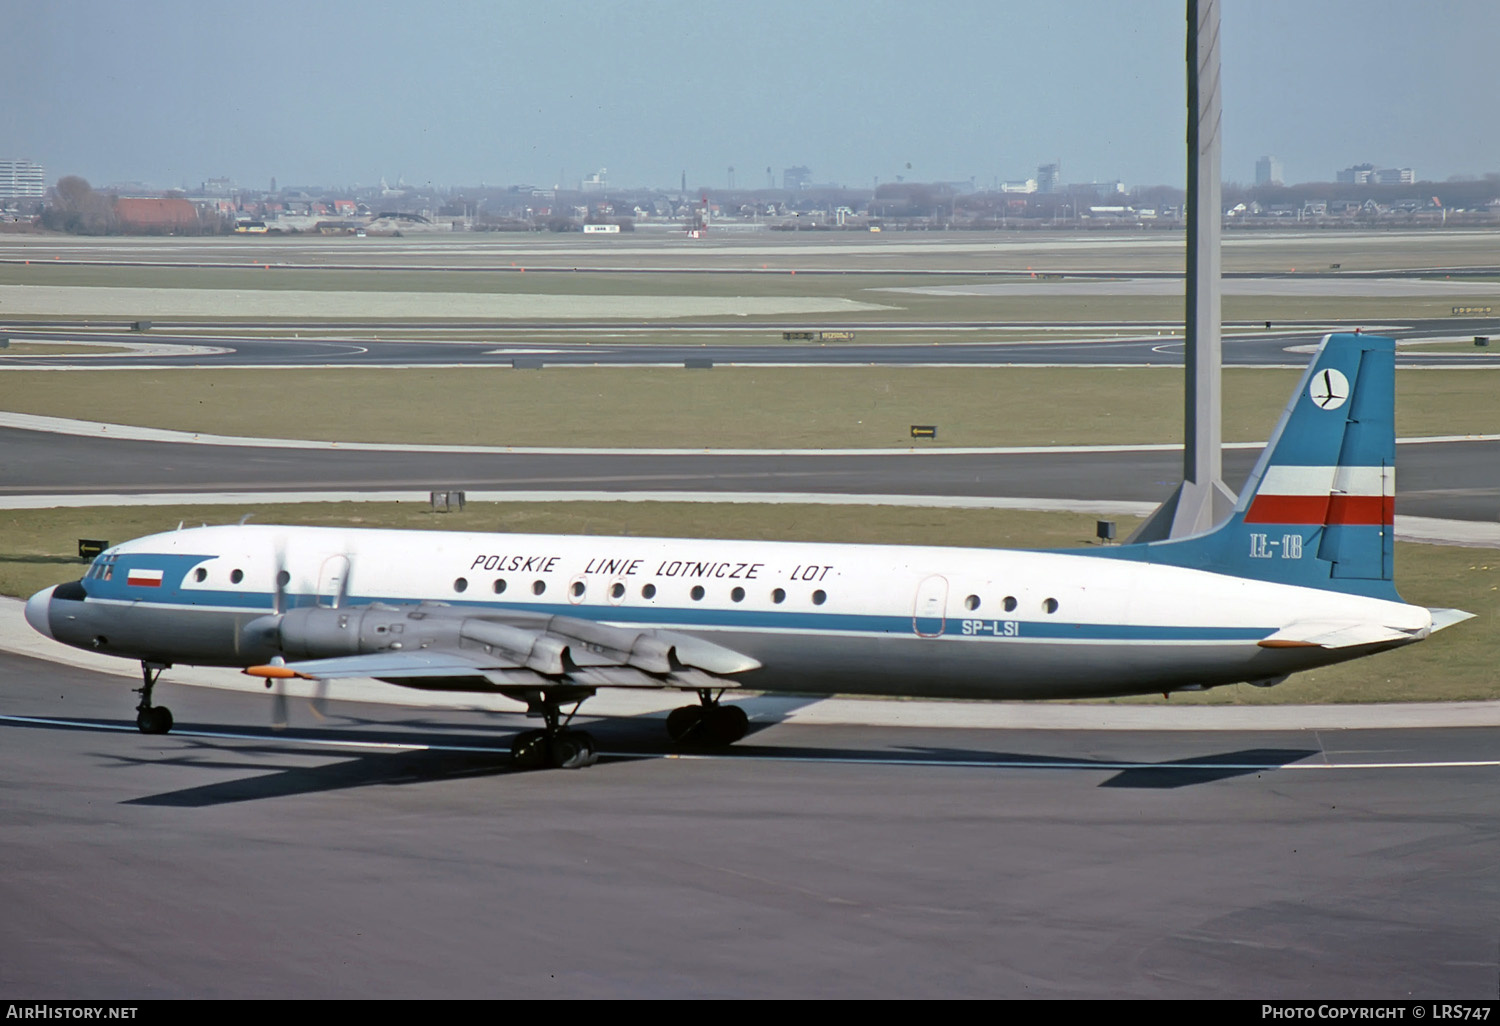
819,597
460,584
499,585
1050,605
971,603
537,587
1010,603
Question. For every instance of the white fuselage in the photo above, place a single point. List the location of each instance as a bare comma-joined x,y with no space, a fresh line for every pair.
820,617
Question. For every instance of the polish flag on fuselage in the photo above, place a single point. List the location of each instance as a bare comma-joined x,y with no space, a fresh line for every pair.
144,578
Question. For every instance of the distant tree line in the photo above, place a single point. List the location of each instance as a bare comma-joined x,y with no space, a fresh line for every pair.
76,208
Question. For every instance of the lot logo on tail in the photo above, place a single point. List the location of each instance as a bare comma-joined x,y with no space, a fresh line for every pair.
1329,389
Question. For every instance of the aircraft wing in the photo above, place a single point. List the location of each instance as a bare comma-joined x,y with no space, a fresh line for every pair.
533,652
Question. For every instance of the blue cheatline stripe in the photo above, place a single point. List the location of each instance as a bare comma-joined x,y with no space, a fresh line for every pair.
754,619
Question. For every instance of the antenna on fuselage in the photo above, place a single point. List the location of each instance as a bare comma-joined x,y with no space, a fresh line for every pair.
1202,500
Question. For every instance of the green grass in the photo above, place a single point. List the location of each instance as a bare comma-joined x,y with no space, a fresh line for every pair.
57,349
1457,665
726,407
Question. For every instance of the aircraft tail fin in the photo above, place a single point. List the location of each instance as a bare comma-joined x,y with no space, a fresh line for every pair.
1318,510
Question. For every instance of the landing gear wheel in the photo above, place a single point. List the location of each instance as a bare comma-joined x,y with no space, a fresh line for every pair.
529,750
723,725
683,723
155,720
556,746
712,725
572,749
565,749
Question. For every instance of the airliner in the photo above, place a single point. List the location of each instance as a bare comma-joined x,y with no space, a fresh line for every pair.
1300,575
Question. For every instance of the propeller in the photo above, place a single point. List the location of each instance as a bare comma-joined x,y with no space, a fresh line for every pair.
283,578
279,604
319,700
279,717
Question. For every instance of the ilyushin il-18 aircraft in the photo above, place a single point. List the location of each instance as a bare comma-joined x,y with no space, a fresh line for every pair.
1300,575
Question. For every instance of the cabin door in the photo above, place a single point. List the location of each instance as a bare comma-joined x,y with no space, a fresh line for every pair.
931,609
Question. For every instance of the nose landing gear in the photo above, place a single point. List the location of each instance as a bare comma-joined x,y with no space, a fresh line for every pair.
151,719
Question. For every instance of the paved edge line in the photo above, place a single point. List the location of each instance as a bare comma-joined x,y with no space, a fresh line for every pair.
127,432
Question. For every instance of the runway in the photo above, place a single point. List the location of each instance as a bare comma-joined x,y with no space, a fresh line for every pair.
814,862
1447,480
601,344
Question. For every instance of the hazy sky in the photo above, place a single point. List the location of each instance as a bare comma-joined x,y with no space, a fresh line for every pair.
172,92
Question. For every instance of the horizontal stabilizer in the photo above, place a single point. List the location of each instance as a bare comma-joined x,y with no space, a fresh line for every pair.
1447,617
1335,634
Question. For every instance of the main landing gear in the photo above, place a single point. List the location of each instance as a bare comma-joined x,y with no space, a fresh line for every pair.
151,719
710,723
557,746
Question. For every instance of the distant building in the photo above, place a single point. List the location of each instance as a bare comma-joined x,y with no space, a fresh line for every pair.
1268,171
1369,174
795,178
1029,185
1048,178
21,179
596,182
155,214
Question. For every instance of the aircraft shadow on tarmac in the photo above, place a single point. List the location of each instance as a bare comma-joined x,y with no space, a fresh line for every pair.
420,767
622,739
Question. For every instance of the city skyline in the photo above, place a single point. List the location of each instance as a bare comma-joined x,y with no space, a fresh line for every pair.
171,94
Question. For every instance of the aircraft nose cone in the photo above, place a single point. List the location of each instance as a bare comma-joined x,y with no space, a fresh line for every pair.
36,611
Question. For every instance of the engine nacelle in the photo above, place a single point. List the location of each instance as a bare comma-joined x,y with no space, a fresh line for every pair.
322,633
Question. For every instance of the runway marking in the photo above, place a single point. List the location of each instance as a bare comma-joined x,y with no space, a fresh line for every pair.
130,432
1043,762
